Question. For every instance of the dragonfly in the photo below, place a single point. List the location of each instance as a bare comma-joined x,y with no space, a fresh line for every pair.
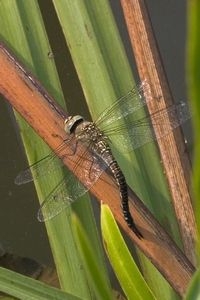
130,133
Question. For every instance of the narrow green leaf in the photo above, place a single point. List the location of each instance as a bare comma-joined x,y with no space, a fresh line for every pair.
89,259
193,65
193,292
127,272
24,288
193,75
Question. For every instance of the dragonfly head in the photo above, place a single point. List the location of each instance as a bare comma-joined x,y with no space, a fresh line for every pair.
72,122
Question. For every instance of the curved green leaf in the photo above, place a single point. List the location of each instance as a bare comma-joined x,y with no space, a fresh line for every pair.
127,272
193,292
24,288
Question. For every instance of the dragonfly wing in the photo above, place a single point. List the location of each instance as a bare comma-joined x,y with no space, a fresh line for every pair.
70,189
134,100
139,132
91,168
46,165
60,198
39,169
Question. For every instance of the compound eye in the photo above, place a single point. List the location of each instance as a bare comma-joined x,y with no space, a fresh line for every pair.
71,123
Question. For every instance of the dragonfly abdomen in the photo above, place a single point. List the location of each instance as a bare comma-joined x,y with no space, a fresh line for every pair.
121,182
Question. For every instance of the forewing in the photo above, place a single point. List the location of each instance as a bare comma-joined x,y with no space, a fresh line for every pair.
134,100
47,165
134,134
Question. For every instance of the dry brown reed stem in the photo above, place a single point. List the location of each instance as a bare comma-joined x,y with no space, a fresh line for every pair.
174,156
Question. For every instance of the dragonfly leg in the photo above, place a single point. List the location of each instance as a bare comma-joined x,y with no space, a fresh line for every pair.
73,147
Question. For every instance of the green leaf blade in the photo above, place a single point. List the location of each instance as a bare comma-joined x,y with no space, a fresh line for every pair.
95,271
128,274
22,287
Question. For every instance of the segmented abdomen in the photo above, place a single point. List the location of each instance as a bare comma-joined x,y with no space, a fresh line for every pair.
104,151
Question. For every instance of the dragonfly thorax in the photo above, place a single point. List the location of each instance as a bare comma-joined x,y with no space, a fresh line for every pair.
88,132
72,122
